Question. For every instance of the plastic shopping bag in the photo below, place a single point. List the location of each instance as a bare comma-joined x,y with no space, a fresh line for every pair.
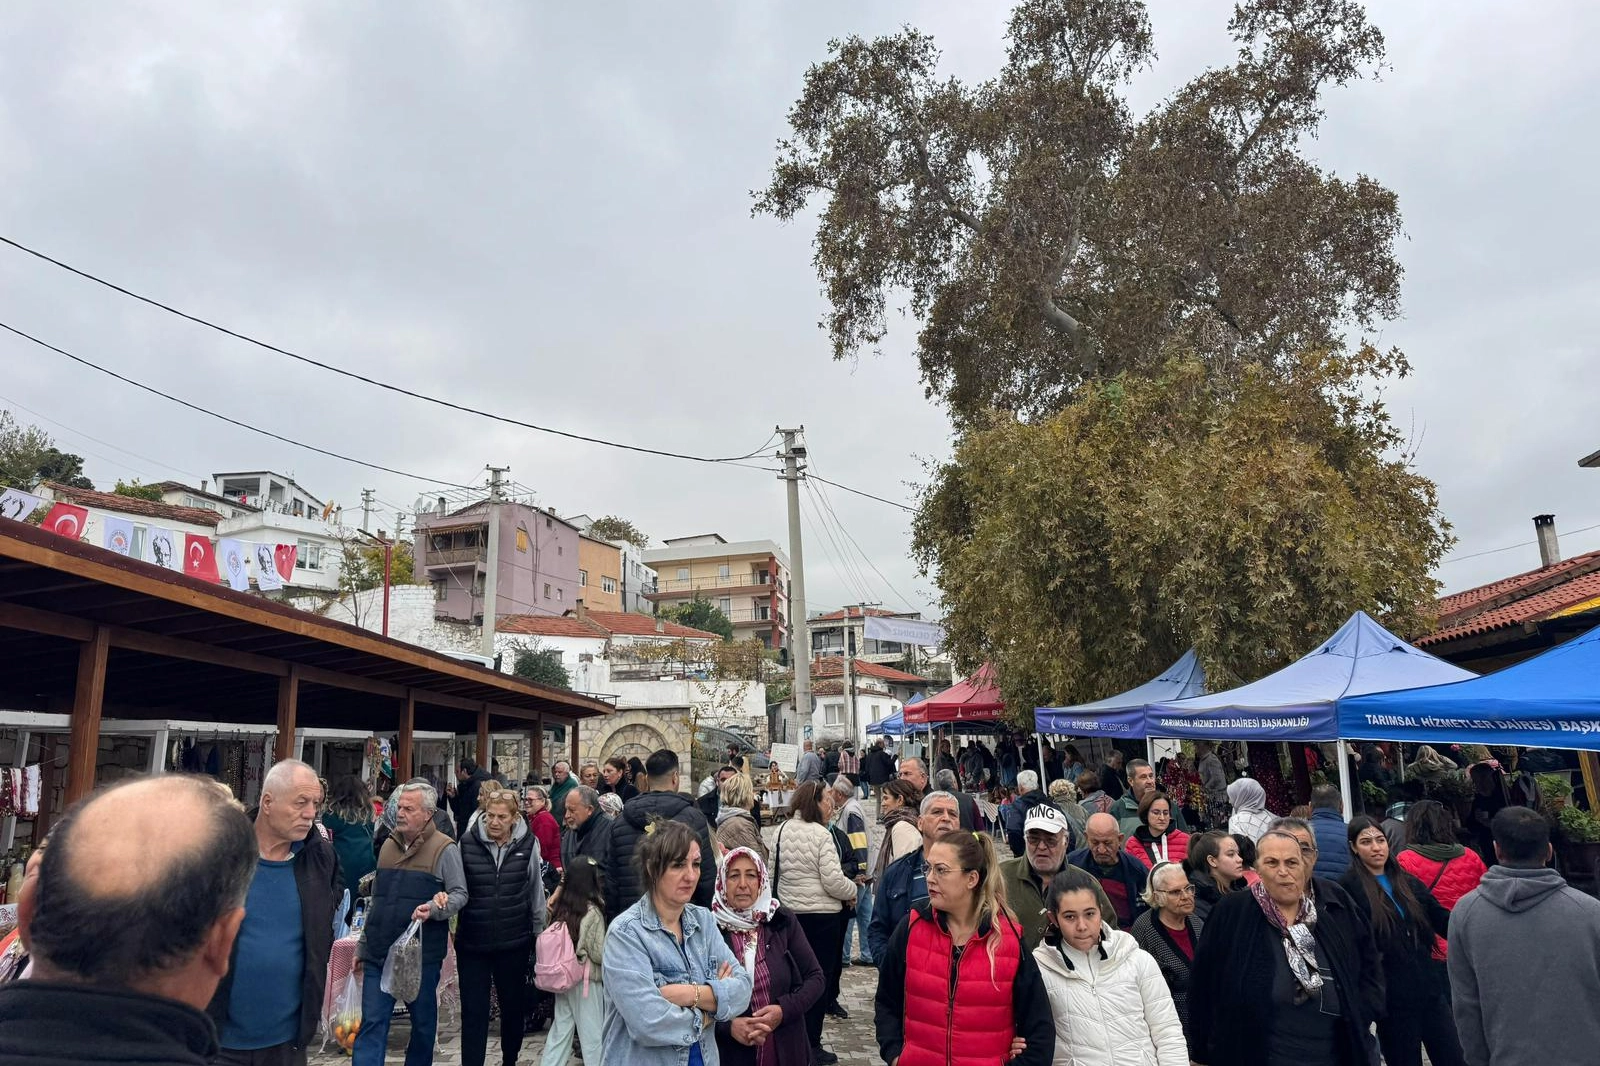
344,1020
402,967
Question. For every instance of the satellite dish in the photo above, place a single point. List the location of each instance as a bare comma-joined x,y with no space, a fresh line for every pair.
422,504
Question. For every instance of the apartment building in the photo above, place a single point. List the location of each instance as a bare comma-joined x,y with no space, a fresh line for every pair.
830,630
599,574
747,580
538,572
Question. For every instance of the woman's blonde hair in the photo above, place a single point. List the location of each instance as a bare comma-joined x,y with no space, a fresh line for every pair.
500,794
975,852
738,791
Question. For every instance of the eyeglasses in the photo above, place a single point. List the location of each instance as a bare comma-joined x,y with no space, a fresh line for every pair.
940,871
1186,890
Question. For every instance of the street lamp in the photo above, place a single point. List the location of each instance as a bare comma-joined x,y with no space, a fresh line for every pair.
388,567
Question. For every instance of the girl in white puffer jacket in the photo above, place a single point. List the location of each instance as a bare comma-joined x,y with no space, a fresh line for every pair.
1110,1004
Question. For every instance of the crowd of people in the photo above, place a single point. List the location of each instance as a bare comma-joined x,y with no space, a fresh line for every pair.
647,925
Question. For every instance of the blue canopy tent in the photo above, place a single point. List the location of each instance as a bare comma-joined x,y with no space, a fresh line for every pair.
1123,715
1298,702
1549,701
890,725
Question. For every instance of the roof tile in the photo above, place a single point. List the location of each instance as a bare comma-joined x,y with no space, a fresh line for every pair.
111,501
1528,597
599,625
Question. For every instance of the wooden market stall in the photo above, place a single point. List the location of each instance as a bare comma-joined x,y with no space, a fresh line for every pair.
88,637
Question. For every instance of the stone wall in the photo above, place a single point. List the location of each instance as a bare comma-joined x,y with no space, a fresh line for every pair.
638,731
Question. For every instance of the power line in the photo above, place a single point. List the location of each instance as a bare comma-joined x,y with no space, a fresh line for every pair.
389,386
822,494
1512,547
97,440
846,488
841,562
205,411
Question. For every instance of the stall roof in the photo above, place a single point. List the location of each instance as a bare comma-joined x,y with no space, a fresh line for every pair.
977,699
1123,715
1297,702
1549,701
178,646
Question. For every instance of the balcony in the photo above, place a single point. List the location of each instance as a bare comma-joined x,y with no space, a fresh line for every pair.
681,586
760,616
456,557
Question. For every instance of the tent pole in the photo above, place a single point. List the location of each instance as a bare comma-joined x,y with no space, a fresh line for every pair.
1039,739
1344,784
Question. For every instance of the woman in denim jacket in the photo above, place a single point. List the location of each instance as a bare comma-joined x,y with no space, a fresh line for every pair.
670,977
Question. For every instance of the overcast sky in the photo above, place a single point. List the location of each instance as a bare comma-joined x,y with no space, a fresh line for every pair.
543,210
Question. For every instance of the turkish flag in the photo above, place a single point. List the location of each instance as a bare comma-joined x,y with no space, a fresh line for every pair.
199,560
66,520
283,558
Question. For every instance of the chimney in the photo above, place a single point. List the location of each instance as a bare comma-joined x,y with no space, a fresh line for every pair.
202,486
441,505
660,628
583,611
1544,527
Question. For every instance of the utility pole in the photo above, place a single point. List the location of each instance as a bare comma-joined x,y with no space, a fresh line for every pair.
491,579
793,456
366,507
851,649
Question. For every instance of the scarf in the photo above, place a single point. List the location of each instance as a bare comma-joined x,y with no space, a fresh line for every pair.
1299,944
744,921
1438,852
1158,847
890,820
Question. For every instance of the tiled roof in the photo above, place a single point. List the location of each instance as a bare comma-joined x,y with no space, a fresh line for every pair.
833,666
110,501
1530,597
835,687
854,612
598,625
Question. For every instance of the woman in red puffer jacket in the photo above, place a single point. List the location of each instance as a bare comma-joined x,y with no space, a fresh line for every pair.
1434,856
1155,840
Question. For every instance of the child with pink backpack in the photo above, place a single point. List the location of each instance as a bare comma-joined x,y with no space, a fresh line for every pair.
567,963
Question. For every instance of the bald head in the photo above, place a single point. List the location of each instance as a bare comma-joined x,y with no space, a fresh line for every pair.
143,887
1105,838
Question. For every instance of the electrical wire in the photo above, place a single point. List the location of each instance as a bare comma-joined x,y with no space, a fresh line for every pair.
1512,547
847,488
822,538
389,386
205,411
106,443
857,574
822,494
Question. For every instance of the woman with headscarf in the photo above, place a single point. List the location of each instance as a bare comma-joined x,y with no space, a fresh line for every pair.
1282,976
786,978
1429,766
1250,816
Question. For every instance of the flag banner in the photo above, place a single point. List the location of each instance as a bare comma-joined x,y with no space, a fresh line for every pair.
66,520
267,578
17,505
161,548
283,556
198,558
232,554
904,631
118,534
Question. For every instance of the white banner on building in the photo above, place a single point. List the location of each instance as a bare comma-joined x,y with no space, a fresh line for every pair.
904,631
17,505
118,534
161,548
267,577
232,560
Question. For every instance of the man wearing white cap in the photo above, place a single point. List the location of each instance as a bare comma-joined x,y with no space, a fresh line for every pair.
1047,838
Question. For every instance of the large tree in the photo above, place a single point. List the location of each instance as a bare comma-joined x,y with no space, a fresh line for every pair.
28,456
1085,551
1045,236
612,528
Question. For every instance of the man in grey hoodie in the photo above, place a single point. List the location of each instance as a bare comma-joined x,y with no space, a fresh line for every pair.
1521,910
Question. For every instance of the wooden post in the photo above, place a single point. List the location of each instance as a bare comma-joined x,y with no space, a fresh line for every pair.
485,752
86,704
288,706
402,745
536,756
572,737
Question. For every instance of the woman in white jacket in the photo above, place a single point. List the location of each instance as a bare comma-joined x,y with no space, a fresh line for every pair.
1110,1004
810,881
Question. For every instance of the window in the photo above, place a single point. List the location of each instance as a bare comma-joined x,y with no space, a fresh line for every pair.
833,714
308,555
560,550
583,579
724,570
561,593
547,524
522,539
683,573
725,605
608,584
547,590
441,590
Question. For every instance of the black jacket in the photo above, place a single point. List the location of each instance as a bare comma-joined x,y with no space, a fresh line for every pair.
1411,975
592,839
622,884
1231,980
500,897
321,885
465,804
1156,939
44,1024
877,767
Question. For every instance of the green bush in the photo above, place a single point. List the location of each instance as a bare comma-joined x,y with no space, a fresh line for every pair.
1578,826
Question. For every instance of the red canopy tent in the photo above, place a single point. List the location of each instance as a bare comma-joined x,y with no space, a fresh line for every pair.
977,699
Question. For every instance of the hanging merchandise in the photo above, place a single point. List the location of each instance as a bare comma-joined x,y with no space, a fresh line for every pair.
10,802
32,785
255,759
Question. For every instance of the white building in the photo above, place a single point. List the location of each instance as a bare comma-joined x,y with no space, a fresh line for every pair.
267,491
318,545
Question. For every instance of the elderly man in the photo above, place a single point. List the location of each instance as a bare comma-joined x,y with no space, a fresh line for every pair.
810,766
1027,877
1120,874
131,922
587,829
419,878
271,1015
1141,781
916,772
561,782
851,820
905,882
1029,797
945,781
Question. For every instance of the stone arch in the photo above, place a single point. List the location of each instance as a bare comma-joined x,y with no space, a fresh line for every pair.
630,733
